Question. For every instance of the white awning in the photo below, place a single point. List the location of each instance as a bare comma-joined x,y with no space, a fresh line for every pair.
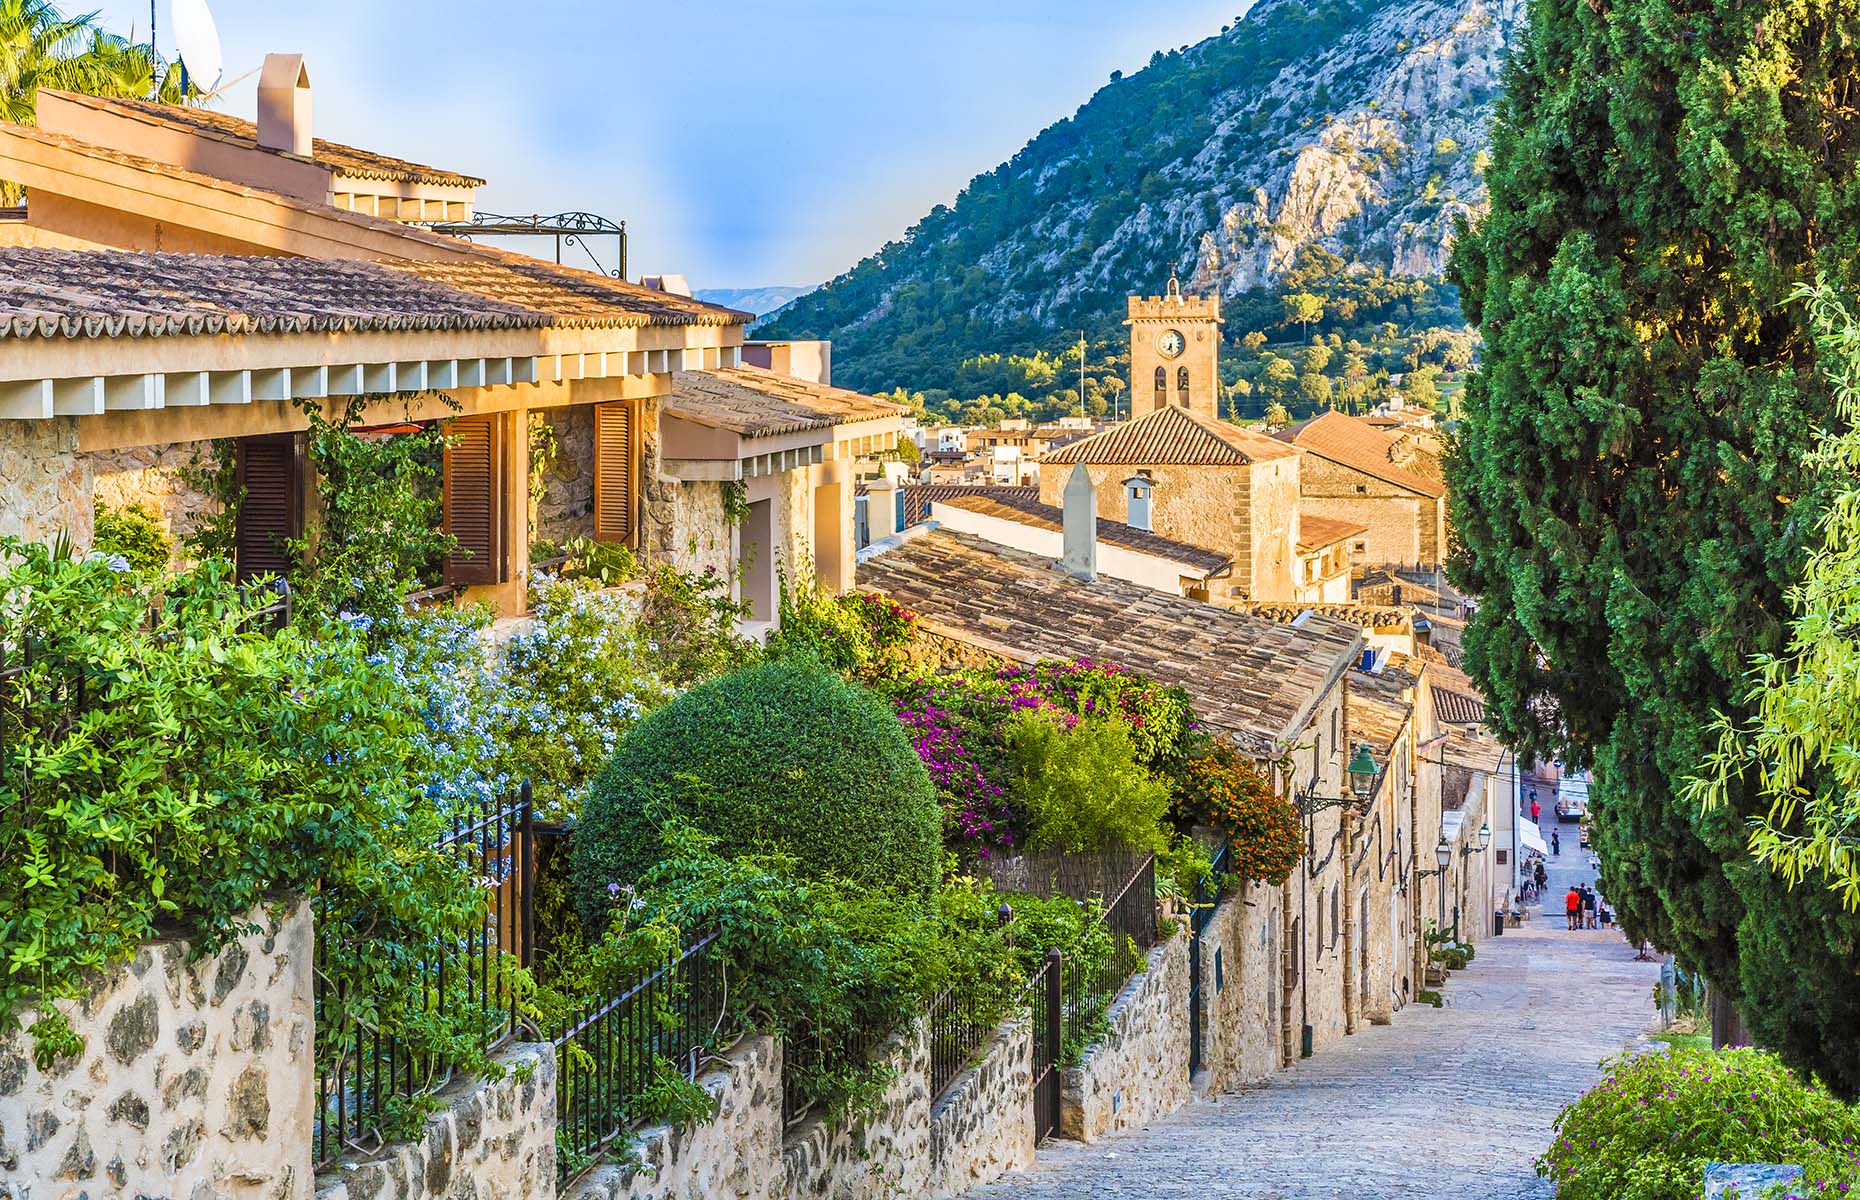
1531,839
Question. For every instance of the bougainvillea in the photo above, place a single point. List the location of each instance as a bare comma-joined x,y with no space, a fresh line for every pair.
1160,719
957,732
1226,790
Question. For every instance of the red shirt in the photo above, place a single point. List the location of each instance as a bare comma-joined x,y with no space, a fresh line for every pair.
1573,901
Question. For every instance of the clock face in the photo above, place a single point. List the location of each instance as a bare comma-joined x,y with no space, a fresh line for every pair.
1170,343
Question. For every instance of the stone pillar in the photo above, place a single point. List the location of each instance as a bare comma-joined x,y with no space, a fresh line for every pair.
833,535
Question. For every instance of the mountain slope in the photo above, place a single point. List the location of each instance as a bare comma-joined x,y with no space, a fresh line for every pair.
1353,125
758,300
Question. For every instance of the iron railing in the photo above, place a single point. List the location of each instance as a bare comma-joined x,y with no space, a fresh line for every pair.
1130,917
365,1075
810,1055
1046,1008
615,1051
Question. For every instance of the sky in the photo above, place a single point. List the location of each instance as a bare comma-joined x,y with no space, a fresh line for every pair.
746,143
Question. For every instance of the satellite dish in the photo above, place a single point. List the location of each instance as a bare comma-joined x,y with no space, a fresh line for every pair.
199,40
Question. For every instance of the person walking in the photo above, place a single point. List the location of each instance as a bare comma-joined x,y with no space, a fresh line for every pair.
1556,842
1572,906
1537,810
1588,907
1543,878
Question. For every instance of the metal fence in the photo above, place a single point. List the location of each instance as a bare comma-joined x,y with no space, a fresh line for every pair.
808,1056
366,1076
614,1052
1046,1005
1130,916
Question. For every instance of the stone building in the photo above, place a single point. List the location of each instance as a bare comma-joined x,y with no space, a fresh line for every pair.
1386,480
183,283
1277,691
1175,352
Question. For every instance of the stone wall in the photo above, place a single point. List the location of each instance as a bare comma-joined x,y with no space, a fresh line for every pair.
195,1079
978,1131
1404,526
490,1140
151,477
1140,1070
566,508
1203,506
1240,1038
46,481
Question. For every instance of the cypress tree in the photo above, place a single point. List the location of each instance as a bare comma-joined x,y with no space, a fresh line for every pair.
1627,484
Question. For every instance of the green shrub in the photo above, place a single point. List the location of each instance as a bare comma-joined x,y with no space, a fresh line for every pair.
1647,1131
861,635
211,765
785,756
135,534
1081,786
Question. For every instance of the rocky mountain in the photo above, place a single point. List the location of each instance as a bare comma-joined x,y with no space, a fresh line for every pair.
1355,126
758,300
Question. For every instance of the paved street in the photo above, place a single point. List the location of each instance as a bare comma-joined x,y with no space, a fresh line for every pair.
1449,1104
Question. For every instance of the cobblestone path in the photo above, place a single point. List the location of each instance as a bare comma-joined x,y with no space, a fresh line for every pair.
1447,1104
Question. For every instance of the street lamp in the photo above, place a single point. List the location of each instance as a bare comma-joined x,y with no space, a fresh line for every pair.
1485,835
1363,774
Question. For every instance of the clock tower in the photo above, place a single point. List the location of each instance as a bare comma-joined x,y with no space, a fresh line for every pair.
1175,349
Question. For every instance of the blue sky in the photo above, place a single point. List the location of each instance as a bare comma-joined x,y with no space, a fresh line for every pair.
746,143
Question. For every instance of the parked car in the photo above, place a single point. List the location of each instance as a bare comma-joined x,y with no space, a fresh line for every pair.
1570,807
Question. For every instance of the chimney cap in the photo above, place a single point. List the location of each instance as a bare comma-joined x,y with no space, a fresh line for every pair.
284,71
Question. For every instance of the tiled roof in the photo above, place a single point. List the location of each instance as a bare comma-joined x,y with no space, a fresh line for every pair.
1377,586
1171,437
1315,532
343,160
1472,750
1377,709
1251,680
1457,708
572,297
1027,510
752,402
114,293
1366,616
1354,443
918,497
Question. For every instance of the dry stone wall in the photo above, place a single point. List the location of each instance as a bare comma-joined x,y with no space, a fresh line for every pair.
151,476
1140,1071
1239,967
194,1082
491,1140
47,482
565,509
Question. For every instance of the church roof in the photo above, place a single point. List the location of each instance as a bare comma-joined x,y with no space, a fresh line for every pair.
1353,442
1172,437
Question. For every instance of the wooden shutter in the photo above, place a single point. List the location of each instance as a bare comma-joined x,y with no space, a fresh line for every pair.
474,499
615,495
271,508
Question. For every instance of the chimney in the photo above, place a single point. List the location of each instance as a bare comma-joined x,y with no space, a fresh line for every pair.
1137,493
1080,524
881,508
284,105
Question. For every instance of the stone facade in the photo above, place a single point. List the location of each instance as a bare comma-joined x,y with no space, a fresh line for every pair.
978,1131
1240,983
195,1079
565,509
1404,526
47,482
1140,1070
151,477
491,1140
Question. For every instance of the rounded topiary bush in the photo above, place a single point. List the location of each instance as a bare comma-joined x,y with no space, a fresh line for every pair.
786,756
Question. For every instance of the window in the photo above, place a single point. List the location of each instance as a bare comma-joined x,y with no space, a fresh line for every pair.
1162,386
615,496
1336,913
473,472
1181,386
270,471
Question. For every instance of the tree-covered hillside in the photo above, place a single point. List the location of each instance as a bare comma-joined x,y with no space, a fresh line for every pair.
1350,126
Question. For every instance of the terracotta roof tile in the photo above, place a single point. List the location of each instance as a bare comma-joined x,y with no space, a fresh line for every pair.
1458,708
918,497
341,159
1172,437
1251,680
1027,510
573,297
1315,532
1354,443
113,293
1377,709
752,402
1365,616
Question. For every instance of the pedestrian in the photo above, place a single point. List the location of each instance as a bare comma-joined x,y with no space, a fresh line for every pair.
1607,914
1588,907
1537,810
1542,876
1572,906
1556,842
